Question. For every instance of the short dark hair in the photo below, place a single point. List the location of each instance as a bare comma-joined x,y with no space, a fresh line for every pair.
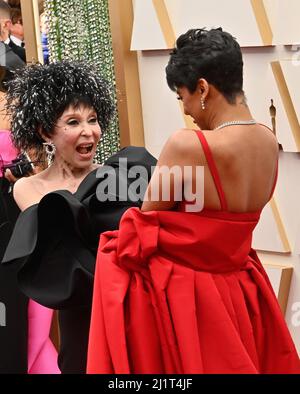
14,3
214,55
4,9
16,16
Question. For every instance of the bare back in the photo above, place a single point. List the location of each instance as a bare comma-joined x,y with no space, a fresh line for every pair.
246,159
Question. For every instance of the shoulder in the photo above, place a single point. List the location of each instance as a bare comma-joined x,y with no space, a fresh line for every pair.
21,184
182,142
269,138
181,138
20,192
179,148
24,192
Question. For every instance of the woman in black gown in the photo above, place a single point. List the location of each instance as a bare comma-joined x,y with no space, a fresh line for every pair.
66,106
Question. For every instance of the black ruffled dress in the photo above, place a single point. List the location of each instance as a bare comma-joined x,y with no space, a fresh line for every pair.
57,240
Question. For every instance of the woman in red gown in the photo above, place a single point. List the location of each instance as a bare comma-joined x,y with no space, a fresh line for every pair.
180,290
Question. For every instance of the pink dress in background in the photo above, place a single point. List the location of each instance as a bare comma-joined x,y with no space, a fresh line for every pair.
42,355
7,151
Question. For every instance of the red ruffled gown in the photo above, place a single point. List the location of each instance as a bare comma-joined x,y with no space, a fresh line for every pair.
179,292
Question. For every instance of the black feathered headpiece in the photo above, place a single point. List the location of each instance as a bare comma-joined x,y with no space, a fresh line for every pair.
38,94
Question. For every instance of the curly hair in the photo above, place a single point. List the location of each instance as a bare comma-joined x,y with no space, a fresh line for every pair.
213,55
39,94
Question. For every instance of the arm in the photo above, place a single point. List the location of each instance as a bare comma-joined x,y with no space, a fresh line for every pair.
166,187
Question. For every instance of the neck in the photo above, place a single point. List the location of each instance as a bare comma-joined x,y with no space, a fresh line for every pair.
228,112
18,36
64,171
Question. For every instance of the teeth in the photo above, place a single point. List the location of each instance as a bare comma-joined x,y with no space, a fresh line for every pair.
85,146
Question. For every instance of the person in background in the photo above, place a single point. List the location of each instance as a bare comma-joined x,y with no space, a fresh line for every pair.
5,20
5,30
178,288
7,153
8,58
44,37
16,34
13,336
20,352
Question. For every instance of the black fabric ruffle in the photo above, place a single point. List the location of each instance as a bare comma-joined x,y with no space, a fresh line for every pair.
57,239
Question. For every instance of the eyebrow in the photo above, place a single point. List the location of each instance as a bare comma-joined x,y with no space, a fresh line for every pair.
75,113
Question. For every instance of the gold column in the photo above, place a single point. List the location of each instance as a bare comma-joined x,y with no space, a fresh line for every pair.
165,22
263,22
284,287
287,101
32,37
280,226
127,74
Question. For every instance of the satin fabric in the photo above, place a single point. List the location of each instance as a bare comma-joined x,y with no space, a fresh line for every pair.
42,355
7,150
164,303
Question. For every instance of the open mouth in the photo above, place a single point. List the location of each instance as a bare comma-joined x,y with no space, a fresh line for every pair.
84,148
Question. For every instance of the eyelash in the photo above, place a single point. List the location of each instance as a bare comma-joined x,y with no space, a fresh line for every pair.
93,120
74,122
179,98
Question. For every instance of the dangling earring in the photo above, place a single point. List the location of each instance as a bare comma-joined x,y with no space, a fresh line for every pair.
50,150
202,104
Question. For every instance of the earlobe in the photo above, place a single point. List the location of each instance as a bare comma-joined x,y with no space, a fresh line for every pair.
203,87
43,135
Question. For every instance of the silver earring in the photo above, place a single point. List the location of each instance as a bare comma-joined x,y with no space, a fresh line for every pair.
50,150
202,104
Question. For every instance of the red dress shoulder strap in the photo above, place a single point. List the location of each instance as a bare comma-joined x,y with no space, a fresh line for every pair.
213,169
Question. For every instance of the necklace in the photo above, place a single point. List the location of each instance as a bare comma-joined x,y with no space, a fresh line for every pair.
236,122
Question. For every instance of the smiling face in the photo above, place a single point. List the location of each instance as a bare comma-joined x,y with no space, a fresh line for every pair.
76,135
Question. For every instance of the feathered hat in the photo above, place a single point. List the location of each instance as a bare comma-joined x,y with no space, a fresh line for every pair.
38,94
